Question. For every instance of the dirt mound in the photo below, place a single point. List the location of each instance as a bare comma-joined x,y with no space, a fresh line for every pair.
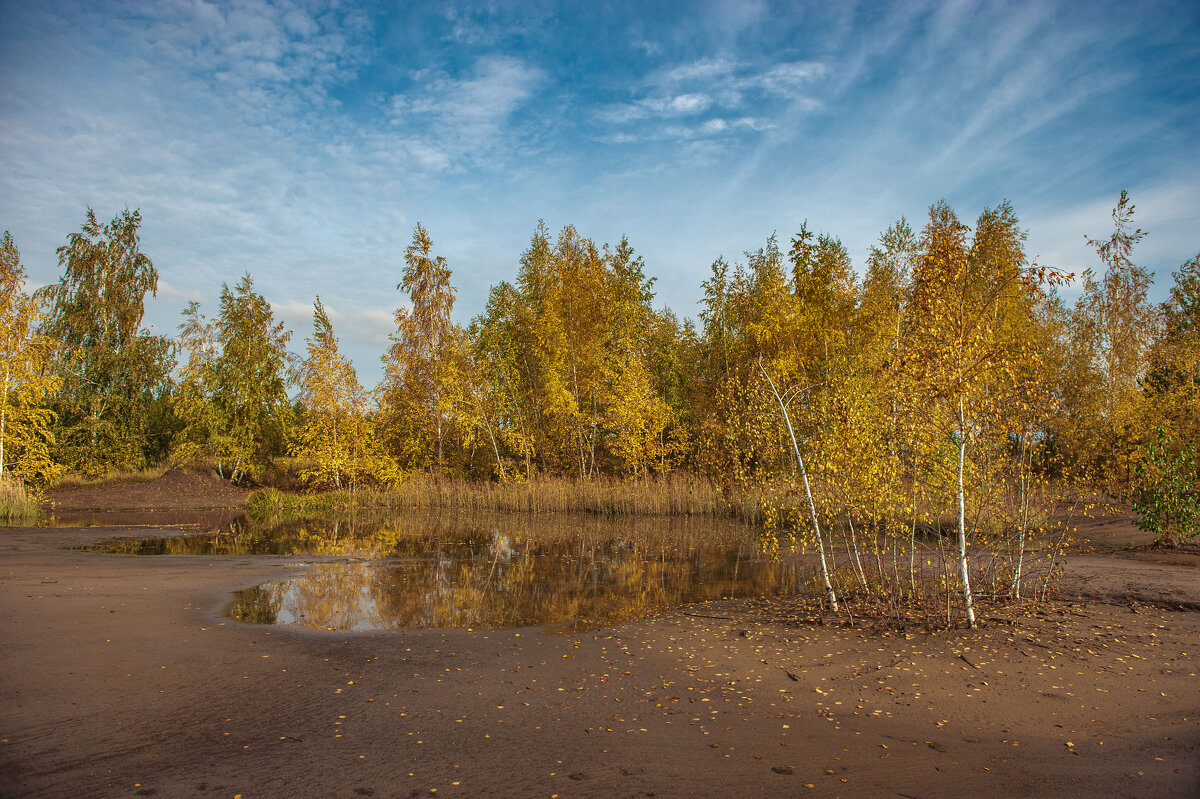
175,490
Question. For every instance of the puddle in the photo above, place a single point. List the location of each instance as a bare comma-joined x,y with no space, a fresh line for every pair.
512,584
487,573
213,519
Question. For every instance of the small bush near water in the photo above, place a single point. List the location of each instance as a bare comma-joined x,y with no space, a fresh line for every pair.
16,505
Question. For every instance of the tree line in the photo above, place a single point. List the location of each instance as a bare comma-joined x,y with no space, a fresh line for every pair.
951,358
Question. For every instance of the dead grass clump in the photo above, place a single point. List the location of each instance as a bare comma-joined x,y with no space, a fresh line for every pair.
673,495
16,506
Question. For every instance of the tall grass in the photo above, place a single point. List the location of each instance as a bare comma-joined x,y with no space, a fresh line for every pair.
16,506
675,495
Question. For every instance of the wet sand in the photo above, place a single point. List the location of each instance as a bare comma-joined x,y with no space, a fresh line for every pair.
119,676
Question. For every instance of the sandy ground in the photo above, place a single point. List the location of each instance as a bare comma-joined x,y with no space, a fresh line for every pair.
119,676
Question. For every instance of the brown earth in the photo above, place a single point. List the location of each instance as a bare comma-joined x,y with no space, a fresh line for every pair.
176,490
120,676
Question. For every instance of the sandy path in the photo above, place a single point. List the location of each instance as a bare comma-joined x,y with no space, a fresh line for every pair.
120,677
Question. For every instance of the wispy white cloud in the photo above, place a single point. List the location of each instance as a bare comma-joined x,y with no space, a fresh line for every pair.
371,327
670,106
1166,210
467,116
301,140
702,69
712,91
647,47
296,315
788,79
275,61
732,79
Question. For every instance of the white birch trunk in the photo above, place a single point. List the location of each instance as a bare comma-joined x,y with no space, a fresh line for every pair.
964,572
1016,586
812,508
862,575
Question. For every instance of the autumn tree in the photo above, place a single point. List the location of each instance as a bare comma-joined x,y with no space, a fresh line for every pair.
642,430
500,398
560,323
749,312
880,315
830,594
416,406
577,358
481,404
841,383
26,421
337,438
887,408
115,376
1113,326
969,300
1172,386
823,282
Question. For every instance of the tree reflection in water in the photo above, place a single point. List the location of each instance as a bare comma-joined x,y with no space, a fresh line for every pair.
418,571
516,578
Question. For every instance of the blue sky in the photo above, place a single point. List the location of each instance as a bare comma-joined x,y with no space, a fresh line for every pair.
302,142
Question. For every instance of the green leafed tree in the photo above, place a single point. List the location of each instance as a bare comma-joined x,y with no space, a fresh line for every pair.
115,375
193,397
251,415
1164,495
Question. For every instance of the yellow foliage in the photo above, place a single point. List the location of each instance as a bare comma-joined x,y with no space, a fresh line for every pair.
26,385
337,437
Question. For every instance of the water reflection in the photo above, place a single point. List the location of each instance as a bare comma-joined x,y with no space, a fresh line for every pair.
487,573
512,583
238,537
197,520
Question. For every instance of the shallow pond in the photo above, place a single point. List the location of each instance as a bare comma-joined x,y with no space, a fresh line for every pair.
496,572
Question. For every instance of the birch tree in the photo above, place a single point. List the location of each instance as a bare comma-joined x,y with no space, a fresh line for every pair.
962,350
1113,329
416,398
249,380
501,366
337,437
113,373
194,388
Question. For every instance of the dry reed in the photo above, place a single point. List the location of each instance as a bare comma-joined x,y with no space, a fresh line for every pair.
16,506
676,495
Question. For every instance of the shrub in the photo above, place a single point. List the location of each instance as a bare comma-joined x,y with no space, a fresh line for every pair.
1164,490
16,506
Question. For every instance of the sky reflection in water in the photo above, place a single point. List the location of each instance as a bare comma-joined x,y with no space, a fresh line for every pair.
491,573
